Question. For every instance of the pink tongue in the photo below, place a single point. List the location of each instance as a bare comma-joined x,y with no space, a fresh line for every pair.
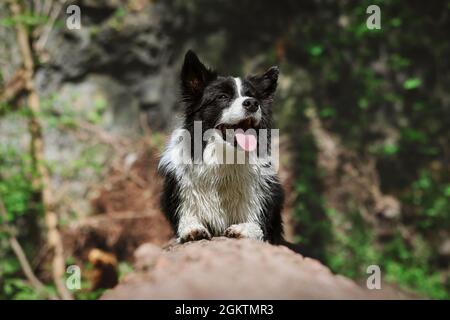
246,141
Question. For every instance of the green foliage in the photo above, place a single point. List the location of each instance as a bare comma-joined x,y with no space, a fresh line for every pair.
423,280
412,83
95,115
15,188
313,228
124,269
28,19
85,293
19,197
430,198
16,194
18,289
382,75
116,20
351,249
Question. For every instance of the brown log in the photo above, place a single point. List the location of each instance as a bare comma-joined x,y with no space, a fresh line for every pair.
236,269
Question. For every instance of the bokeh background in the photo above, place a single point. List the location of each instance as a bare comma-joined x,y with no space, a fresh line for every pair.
364,119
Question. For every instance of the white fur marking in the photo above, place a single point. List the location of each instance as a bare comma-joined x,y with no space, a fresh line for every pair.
188,224
236,112
247,230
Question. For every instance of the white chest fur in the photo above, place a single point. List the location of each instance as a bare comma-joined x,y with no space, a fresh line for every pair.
222,195
218,195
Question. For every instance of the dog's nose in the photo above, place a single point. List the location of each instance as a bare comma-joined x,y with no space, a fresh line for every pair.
251,104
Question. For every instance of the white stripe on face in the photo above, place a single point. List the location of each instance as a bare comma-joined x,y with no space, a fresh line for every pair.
238,83
236,112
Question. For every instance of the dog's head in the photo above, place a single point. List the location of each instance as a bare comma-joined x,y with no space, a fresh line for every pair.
225,102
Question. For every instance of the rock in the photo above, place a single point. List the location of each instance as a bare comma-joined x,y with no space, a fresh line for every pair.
127,46
233,269
120,63
116,107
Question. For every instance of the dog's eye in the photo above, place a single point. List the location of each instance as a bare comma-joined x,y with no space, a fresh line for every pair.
222,97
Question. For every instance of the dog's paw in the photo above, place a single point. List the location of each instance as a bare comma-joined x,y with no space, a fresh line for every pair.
194,234
244,230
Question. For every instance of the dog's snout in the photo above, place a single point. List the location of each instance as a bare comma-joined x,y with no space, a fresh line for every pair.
251,105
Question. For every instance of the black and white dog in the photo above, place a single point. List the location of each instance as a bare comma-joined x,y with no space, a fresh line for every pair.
202,196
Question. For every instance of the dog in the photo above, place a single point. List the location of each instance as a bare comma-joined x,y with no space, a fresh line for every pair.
203,197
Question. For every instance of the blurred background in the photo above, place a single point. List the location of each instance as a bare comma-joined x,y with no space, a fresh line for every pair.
364,118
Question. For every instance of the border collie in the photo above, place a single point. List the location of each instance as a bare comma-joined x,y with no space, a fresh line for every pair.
202,196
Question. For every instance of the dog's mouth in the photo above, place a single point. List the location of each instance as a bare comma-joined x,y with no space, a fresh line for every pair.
242,133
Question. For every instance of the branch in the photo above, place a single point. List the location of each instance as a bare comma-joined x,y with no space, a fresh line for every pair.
47,28
14,87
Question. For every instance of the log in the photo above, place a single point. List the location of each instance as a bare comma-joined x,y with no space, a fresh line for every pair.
234,269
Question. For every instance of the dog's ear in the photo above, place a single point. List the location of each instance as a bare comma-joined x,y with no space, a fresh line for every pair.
266,83
194,76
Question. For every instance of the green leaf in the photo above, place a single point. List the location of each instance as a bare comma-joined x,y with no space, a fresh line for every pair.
390,149
412,83
447,190
327,112
315,51
100,104
363,103
396,22
120,12
7,22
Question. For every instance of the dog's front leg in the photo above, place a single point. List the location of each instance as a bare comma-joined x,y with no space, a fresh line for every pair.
190,228
248,230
